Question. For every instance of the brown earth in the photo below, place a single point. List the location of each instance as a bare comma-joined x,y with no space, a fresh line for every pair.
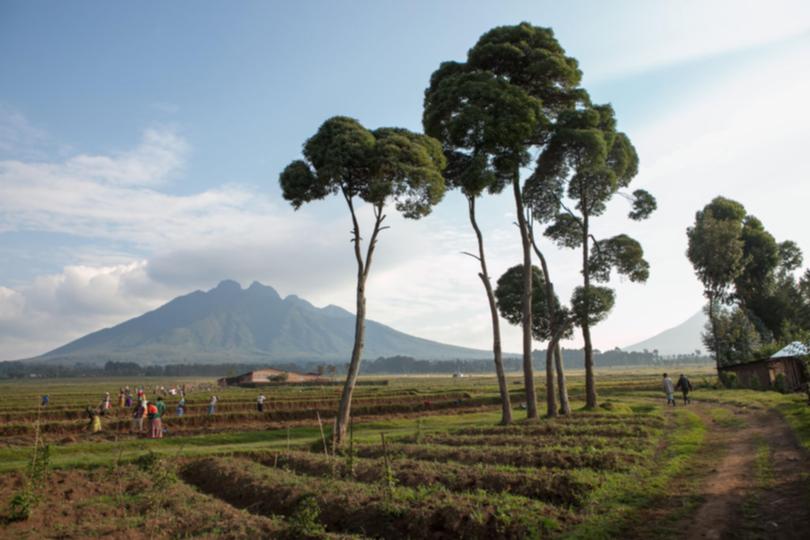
750,480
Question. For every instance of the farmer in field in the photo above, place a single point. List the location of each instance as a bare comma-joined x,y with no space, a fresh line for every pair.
127,399
138,415
212,405
669,389
154,412
121,400
685,387
260,403
181,406
45,400
107,403
95,419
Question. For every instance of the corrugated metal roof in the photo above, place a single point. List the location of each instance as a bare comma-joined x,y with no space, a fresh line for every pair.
797,348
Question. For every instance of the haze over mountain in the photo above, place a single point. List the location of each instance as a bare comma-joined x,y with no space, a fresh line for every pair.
682,339
231,324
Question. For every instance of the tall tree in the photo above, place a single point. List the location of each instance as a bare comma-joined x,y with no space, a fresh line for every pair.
546,325
588,161
530,58
378,167
716,253
484,124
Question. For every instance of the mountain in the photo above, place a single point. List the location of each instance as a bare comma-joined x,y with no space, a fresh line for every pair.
682,339
231,324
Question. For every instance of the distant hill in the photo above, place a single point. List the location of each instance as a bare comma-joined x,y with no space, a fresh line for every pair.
682,339
231,324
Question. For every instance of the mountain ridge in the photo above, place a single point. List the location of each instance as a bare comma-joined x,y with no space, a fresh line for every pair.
230,324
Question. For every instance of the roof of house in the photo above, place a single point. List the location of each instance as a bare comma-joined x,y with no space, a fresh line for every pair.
797,348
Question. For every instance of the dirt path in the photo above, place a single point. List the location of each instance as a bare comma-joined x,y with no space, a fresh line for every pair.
751,480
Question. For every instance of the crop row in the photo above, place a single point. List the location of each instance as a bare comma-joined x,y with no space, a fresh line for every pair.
541,440
235,406
561,487
220,419
561,458
372,509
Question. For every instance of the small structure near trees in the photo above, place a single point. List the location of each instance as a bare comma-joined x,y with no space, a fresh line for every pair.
269,376
785,371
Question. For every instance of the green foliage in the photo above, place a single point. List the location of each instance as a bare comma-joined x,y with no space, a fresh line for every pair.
388,163
736,339
728,379
592,305
622,253
755,383
715,248
780,383
305,519
509,294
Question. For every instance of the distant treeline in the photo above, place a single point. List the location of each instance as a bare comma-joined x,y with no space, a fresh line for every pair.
573,359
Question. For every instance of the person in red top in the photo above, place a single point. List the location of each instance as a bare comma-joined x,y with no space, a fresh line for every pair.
155,424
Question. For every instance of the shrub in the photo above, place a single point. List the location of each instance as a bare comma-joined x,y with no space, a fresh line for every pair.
729,379
305,519
755,383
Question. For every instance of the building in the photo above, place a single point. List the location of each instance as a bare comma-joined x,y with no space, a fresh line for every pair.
789,362
269,376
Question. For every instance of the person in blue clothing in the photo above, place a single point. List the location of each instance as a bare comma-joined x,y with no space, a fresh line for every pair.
45,400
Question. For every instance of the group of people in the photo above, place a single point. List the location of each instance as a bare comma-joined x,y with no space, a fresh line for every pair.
683,385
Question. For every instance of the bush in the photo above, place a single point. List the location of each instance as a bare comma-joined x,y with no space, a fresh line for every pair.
729,379
755,383
305,520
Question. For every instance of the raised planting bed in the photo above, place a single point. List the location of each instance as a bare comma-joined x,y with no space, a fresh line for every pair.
561,458
561,487
372,510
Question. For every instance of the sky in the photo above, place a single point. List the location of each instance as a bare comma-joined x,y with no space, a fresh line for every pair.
141,143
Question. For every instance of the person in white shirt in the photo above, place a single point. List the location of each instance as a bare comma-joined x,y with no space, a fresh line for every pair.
260,403
669,388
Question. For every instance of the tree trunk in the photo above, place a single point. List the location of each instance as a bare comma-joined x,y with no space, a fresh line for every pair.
528,370
565,406
590,385
715,340
345,406
506,406
553,323
344,409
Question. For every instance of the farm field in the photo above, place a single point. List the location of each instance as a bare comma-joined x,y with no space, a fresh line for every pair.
426,460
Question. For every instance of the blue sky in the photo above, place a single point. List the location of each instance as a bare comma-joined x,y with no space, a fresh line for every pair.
140,146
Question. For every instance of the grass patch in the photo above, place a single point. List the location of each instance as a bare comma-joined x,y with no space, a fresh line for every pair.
620,496
726,418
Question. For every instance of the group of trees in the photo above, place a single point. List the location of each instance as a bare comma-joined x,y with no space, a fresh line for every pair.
756,303
512,115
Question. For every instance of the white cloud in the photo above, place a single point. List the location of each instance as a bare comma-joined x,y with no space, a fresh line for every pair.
658,34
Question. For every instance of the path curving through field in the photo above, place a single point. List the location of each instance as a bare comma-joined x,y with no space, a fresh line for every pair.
751,480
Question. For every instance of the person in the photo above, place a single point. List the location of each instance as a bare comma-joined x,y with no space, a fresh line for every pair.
155,425
95,419
181,406
121,401
685,387
127,399
669,389
212,405
107,402
260,403
138,415
45,400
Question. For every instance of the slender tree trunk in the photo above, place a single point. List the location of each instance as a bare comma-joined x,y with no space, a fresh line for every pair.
565,406
590,386
715,340
506,406
528,370
553,323
345,406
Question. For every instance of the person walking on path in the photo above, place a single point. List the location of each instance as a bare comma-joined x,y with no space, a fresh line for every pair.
260,403
685,387
212,405
669,389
